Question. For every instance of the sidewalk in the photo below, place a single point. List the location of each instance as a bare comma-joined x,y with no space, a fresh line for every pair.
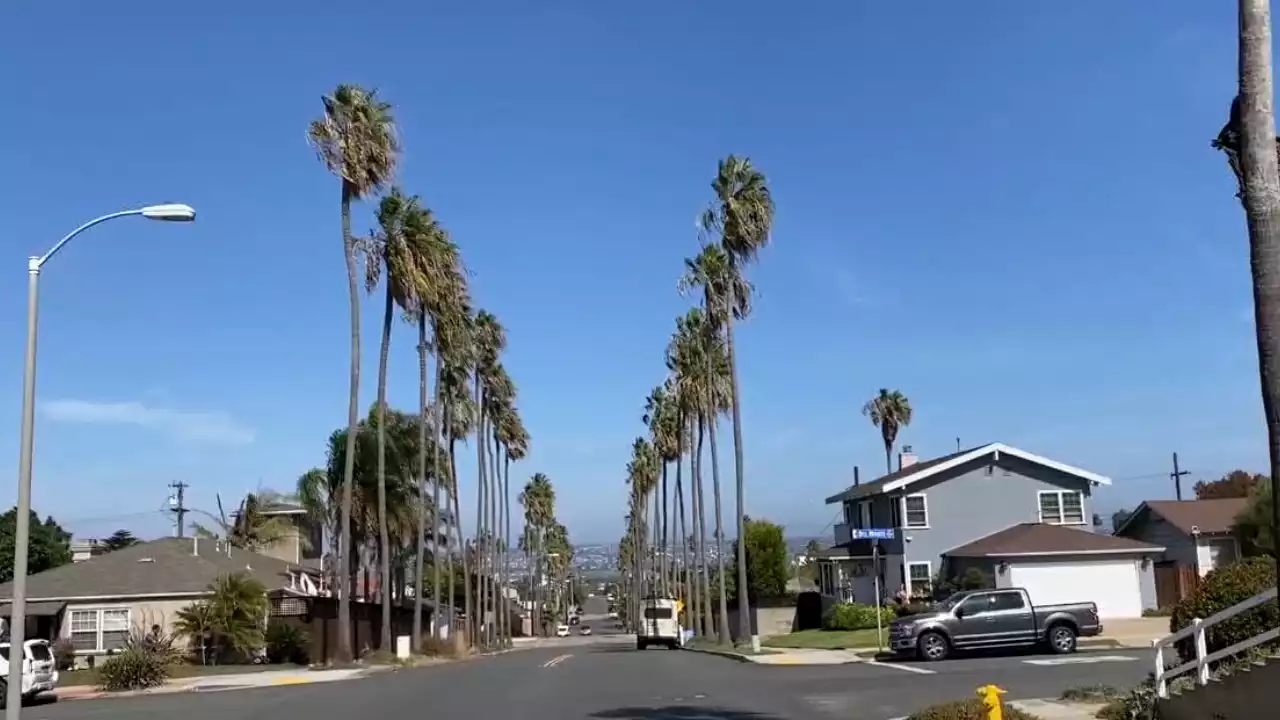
214,683
1051,709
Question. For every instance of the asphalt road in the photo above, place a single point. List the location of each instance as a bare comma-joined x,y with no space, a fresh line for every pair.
610,679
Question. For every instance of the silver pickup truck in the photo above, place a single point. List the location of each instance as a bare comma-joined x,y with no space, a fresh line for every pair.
979,619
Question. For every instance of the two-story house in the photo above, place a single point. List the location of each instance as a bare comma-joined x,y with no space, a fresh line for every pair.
1022,519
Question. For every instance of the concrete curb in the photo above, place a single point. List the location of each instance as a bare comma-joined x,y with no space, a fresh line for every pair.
732,655
1056,709
73,693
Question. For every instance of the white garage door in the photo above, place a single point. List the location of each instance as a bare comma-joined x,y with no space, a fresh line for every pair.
1112,584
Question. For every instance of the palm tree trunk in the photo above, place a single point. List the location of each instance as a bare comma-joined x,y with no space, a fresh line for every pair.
437,433
664,566
478,620
709,628
384,536
744,610
682,583
353,421
457,534
420,545
506,554
495,530
888,454
725,637
1260,181
691,571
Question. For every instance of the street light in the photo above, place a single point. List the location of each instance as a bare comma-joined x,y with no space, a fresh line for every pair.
170,212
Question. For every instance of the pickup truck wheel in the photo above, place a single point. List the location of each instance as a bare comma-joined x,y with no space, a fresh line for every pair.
933,646
1062,639
4,694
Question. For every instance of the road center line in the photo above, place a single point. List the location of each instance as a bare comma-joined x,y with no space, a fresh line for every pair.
903,667
556,660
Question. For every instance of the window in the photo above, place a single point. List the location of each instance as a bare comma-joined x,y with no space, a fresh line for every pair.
975,605
99,630
850,517
1063,507
661,613
1008,601
895,513
920,578
916,511
864,515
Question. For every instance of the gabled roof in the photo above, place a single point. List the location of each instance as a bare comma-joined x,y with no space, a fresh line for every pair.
1038,539
1205,517
928,468
171,566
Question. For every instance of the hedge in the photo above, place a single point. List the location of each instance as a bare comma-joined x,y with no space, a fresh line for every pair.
1219,590
972,709
852,616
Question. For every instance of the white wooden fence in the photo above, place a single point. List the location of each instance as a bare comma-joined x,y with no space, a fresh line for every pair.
1204,658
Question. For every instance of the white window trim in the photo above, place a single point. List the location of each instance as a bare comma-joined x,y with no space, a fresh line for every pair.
99,610
928,567
1062,507
906,522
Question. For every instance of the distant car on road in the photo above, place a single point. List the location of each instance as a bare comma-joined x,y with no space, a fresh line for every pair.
586,630
993,619
562,631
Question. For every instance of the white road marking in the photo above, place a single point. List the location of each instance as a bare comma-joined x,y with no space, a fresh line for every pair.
556,661
902,666
1080,660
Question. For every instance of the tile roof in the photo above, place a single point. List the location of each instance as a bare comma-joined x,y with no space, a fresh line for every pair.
170,565
1041,539
1208,517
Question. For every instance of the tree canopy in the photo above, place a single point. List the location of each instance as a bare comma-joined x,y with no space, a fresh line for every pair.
1235,484
50,545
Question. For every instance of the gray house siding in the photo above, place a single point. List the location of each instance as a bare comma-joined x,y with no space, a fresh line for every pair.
880,516
1153,529
978,499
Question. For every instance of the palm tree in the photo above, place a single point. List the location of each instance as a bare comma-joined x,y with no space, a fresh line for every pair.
515,442
356,140
538,500
460,420
490,339
664,434
742,216
890,411
725,294
1249,139
399,217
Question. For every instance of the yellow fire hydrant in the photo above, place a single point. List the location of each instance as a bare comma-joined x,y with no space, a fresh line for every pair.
990,695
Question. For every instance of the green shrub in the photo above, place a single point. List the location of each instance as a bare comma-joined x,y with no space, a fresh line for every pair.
972,709
1221,589
913,608
287,643
852,616
133,668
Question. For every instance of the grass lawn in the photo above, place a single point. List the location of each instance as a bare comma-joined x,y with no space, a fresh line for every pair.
827,639
68,678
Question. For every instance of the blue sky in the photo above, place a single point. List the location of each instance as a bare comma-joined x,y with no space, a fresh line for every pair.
1010,211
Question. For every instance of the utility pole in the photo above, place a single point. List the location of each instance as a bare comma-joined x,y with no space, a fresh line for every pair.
1177,477
177,504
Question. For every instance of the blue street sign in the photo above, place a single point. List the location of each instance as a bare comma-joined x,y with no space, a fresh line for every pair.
871,534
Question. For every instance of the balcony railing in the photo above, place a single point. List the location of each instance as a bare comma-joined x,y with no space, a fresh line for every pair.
1204,658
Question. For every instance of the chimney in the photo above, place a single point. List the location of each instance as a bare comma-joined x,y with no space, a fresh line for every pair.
855,476
906,458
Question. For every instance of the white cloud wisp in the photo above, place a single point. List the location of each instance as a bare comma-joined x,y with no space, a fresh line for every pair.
197,427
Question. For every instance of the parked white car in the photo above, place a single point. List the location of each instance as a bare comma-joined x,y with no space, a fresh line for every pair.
39,673
562,631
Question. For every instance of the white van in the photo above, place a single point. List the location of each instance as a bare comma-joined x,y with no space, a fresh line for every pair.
39,674
659,624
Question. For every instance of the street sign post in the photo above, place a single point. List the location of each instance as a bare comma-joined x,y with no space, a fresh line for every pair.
872,533
875,535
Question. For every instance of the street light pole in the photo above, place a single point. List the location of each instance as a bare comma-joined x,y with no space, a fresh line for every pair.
22,523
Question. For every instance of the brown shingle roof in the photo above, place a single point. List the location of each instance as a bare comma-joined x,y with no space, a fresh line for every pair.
1209,517
170,565
1041,539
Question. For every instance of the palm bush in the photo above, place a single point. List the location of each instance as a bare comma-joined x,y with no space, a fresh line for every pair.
230,623
287,643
